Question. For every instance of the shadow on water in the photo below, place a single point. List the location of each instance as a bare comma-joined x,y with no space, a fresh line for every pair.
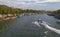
3,25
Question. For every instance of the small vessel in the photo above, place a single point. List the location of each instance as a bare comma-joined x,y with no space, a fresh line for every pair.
41,22
38,22
17,16
46,25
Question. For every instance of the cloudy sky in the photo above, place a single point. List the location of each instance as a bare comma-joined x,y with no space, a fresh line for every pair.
33,4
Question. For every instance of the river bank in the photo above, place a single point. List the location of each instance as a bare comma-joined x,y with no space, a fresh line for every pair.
7,17
13,16
54,14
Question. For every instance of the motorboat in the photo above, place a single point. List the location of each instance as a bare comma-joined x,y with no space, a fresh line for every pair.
45,24
39,22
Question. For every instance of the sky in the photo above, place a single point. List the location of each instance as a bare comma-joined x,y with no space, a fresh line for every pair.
33,4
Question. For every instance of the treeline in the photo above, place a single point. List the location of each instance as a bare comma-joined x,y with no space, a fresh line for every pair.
9,10
57,14
57,11
33,11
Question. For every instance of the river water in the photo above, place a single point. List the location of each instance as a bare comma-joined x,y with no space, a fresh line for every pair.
23,27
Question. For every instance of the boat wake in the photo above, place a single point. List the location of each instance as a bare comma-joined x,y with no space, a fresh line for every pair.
36,23
47,26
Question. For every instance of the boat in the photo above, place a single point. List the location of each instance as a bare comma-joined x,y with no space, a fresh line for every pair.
45,24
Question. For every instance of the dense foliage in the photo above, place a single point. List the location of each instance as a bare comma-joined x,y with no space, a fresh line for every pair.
9,10
57,11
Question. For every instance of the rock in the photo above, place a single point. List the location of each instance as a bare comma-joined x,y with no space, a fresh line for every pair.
57,16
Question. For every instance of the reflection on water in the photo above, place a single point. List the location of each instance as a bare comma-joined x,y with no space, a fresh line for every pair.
23,27
4,25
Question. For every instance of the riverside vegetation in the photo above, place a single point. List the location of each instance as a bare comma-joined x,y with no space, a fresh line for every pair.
9,12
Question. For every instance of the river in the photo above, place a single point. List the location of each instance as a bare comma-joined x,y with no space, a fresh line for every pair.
23,27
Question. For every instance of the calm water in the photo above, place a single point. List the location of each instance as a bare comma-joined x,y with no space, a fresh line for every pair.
23,27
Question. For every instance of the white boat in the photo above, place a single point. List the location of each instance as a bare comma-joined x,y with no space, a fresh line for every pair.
41,22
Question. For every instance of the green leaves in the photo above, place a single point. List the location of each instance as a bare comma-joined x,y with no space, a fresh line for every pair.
8,10
58,11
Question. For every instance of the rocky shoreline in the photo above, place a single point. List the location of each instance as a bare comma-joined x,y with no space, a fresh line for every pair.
55,15
7,17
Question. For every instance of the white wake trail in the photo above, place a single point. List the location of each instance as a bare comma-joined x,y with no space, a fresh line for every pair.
36,23
52,29
47,26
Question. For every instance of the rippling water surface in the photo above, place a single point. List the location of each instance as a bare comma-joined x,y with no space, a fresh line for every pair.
23,27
